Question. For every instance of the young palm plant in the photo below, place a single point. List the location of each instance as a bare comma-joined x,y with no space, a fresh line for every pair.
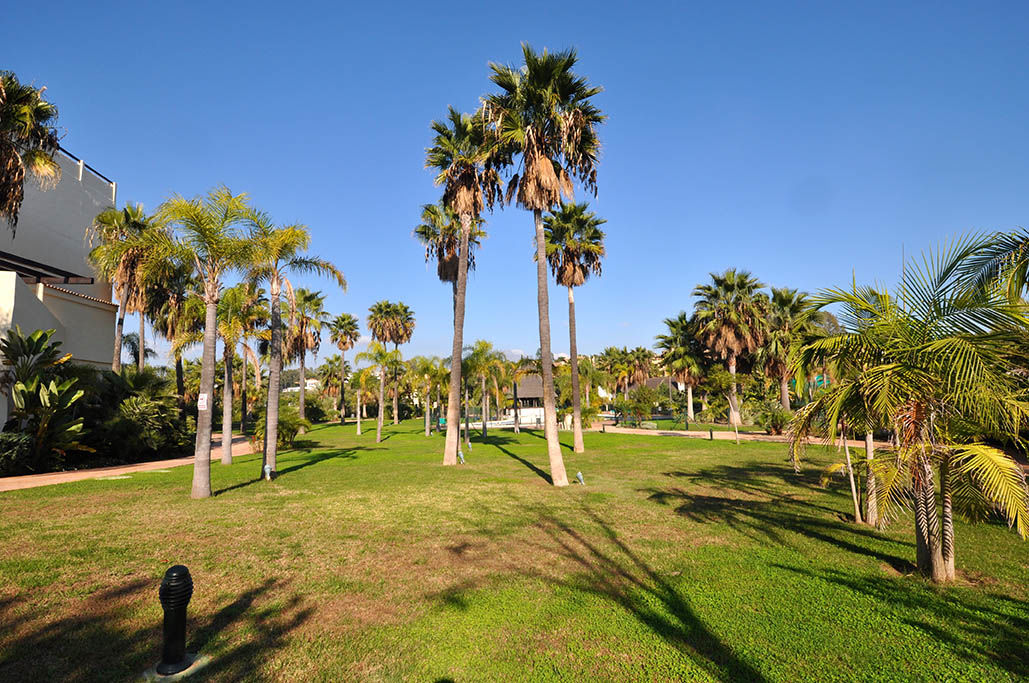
344,332
28,143
544,117
575,247
938,363
276,252
460,153
207,233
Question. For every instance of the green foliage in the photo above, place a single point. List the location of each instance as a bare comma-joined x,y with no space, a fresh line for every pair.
772,417
16,453
290,426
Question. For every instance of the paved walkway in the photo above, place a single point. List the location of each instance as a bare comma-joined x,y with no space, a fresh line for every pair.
240,446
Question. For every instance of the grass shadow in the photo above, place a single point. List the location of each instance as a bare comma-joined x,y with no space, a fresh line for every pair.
514,456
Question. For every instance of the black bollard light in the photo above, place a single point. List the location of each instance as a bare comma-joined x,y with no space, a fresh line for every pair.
176,590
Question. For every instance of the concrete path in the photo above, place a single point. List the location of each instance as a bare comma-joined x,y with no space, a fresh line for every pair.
240,446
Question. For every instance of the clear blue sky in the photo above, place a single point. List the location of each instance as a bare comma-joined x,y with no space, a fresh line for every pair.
803,142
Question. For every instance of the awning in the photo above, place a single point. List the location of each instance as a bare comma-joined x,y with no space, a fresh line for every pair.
34,272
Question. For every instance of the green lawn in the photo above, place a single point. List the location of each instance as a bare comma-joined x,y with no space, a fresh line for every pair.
681,559
670,423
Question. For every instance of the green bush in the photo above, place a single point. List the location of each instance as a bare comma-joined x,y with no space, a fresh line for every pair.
289,427
16,456
773,418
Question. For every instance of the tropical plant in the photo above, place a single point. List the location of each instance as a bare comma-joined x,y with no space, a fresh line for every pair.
730,313
176,316
207,233
440,234
938,363
789,318
28,143
544,117
290,426
118,256
682,355
236,312
461,155
307,316
485,364
575,247
344,332
382,358
130,343
275,252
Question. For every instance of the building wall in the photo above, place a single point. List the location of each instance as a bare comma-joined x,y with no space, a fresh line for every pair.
52,223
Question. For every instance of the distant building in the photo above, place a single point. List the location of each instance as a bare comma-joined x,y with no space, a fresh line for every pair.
46,281
530,401
311,384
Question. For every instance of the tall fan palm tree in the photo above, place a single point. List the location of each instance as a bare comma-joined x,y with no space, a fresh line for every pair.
307,316
731,314
117,256
460,153
937,361
575,247
344,332
28,143
207,233
440,234
682,355
402,329
382,358
544,117
278,251
790,316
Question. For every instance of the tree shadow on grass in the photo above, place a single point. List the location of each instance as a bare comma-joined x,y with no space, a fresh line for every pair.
985,628
100,638
345,454
498,442
611,569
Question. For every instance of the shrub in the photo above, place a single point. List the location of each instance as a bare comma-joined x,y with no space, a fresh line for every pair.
773,418
289,427
15,453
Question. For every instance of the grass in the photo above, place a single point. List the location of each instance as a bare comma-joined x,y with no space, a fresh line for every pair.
671,423
681,559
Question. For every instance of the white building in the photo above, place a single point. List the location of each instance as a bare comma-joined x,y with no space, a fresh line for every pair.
46,281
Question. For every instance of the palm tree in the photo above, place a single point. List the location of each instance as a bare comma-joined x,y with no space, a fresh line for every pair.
789,316
543,115
175,315
517,371
382,358
360,381
252,319
332,373
130,343
276,252
421,370
681,354
440,234
28,142
344,333
731,315
938,361
307,315
117,257
236,312
575,247
402,330
207,233
640,361
461,154
485,363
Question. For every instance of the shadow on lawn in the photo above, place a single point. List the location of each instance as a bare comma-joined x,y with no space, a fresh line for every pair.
984,628
99,640
499,442
340,453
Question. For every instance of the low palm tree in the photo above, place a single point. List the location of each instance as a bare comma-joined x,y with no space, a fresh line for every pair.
28,143
518,370
422,372
130,343
344,332
731,316
235,312
382,358
460,153
277,251
360,384
484,363
543,115
117,255
937,361
682,356
790,316
403,328
307,316
575,247
205,232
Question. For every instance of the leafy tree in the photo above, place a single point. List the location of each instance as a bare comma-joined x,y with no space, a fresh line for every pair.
460,153
731,313
28,143
544,116
575,247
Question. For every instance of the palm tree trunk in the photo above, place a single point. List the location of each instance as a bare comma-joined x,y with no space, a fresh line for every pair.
485,405
734,411
227,354
271,432
357,410
342,385
382,401
947,516
871,493
454,390
517,412
574,358
927,524
850,478
428,408
243,391
302,406
180,381
467,429
689,401
119,327
202,452
141,360
557,464
784,392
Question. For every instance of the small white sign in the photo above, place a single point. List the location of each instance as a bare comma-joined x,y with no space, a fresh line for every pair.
202,402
